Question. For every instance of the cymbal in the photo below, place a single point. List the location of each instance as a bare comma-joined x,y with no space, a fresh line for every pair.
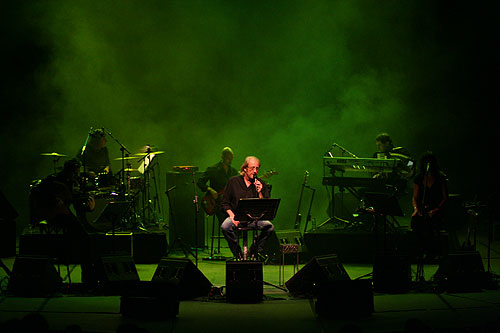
53,154
125,158
150,153
130,170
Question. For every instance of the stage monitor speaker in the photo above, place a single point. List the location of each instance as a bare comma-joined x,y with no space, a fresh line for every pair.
345,298
283,237
34,276
319,269
391,273
116,274
461,272
182,225
183,274
244,281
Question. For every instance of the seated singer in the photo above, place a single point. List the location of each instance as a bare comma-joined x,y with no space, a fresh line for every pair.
246,185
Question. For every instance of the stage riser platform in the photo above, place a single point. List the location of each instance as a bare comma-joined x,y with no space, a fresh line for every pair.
146,248
358,247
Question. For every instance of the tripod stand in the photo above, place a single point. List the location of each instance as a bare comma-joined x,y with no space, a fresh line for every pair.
381,205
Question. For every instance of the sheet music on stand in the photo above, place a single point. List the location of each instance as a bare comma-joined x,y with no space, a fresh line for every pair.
255,209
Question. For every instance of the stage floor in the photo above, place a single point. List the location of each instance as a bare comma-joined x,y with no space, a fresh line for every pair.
279,311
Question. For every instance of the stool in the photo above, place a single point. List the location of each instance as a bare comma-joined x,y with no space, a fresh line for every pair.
212,237
284,249
57,253
244,230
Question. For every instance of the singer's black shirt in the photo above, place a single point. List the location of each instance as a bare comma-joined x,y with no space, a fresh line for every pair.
236,189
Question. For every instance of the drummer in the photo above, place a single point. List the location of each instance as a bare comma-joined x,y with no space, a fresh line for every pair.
95,156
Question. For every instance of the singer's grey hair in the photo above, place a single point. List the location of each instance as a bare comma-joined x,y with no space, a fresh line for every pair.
245,163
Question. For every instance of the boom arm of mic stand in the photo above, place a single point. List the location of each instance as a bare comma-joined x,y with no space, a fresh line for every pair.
344,150
117,141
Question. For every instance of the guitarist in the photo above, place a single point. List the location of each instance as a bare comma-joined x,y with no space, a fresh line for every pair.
430,193
214,181
53,201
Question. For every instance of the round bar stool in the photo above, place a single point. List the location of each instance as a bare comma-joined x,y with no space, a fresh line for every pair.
244,235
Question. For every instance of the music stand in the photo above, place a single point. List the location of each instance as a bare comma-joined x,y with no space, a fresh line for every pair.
383,204
252,210
114,212
255,209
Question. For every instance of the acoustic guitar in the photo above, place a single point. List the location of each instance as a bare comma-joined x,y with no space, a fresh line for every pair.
210,204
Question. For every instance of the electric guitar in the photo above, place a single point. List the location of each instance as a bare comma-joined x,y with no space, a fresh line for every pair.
209,204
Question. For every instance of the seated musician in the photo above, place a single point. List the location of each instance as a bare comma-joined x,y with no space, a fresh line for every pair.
430,194
95,157
57,204
216,176
246,185
405,167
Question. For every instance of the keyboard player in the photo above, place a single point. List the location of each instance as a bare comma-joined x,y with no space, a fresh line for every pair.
405,167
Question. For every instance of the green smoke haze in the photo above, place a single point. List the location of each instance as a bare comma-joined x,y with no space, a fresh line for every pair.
281,80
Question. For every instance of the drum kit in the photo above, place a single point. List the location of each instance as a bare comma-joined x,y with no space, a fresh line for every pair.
130,184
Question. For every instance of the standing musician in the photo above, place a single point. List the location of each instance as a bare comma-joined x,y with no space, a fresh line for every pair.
217,176
246,185
430,194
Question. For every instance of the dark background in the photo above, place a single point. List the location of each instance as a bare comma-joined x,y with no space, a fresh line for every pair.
281,80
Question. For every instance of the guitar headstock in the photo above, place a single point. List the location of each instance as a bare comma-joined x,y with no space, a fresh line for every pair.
268,174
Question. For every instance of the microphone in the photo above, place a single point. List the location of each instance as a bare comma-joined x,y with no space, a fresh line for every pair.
252,180
171,189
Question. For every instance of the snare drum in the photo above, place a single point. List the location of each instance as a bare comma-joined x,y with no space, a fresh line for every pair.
136,183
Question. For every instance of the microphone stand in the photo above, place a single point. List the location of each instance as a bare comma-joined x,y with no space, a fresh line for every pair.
123,149
83,156
343,150
298,216
196,212
123,186
310,206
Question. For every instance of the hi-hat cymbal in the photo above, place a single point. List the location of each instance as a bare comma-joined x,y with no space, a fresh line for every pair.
53,154
125,158
150,153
